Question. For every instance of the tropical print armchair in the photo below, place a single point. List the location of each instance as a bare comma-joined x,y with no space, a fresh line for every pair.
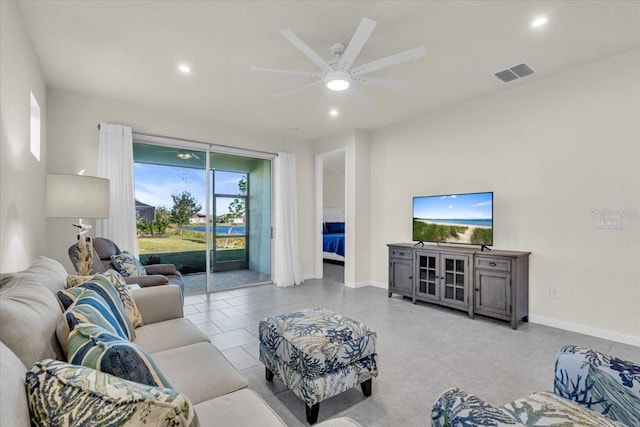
590,389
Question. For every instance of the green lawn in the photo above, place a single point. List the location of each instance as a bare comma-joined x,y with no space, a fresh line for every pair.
189,241
170,243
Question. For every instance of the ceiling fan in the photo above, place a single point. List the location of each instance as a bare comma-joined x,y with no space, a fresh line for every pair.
183,154
339,73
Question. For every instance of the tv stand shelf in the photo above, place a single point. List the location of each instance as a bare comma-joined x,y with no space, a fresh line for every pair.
489,283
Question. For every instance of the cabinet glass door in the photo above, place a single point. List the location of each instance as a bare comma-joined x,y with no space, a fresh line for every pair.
427,276
455,273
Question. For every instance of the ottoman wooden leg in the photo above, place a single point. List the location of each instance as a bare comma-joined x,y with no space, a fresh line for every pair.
366,387
268,374
312,413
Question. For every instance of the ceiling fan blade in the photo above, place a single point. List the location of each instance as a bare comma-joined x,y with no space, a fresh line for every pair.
361,98
356,44
323,101
296,89
304,48
388,61
391,84
291,72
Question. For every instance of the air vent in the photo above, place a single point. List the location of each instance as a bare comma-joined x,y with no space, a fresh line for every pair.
517,71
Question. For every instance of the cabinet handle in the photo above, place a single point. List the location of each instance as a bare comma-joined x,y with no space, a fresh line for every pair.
492,264
411,277
477,289
401,253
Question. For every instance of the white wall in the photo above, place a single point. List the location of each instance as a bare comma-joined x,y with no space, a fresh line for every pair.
333,177
22,176
73,139
552,151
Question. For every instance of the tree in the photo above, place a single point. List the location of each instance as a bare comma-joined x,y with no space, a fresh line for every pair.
184,207
161,222
236,208
144,226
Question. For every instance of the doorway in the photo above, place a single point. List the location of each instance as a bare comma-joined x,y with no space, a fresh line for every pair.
331,218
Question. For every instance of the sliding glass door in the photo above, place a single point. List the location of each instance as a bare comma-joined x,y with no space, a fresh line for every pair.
207,212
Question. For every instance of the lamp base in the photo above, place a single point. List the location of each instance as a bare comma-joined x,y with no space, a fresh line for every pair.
84,258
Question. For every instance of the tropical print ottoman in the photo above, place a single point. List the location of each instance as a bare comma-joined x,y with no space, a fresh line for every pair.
318,354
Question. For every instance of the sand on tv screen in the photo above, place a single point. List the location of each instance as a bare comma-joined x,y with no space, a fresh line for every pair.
454,218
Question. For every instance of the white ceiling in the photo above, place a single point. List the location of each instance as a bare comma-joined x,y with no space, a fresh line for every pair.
130,51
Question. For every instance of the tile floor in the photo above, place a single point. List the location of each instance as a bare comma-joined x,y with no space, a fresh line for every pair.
422,350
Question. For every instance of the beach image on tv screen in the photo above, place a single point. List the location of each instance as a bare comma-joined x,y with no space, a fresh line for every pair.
455,218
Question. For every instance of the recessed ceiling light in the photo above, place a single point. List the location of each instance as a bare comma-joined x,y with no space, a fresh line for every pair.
333,113
184,68
538,22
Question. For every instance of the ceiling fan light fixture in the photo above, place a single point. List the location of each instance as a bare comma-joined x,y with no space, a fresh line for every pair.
184,155
337,80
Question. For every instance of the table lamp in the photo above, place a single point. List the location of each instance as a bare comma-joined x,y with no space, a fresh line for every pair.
78,196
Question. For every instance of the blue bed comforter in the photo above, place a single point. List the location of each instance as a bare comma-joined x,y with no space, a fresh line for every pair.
333,242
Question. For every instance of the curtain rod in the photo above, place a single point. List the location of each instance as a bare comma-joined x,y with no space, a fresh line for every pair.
210,144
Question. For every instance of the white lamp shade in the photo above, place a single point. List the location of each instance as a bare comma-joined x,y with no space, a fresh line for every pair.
77,196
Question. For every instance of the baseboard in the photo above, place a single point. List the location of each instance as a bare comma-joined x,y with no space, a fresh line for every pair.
587,330
309,277
383,285
356,285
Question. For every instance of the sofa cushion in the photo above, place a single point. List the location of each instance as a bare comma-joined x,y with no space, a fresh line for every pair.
121,287
83,396
94,347
200,371
101,285
548,409
242,408
14,409
49,272
28,316
169,334
128,265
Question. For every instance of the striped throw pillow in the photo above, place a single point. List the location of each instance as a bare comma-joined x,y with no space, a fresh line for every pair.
101,285
121,287
95,347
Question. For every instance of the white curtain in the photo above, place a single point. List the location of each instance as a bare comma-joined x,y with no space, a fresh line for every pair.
115,162
287,256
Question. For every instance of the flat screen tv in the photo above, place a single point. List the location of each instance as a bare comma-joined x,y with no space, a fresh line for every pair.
454,218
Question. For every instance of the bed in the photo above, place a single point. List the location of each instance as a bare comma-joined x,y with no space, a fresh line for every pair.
333,247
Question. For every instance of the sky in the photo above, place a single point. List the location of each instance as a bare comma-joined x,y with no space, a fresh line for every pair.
155,184
456,206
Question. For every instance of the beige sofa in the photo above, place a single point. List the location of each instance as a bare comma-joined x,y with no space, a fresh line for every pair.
29,315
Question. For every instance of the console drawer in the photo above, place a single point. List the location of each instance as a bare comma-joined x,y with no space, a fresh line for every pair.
493,263
400,253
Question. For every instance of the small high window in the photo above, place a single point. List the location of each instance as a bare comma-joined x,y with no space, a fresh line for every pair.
35,127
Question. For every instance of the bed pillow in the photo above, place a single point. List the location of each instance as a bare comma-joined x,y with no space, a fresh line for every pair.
83,396
103,284
335,227
128,265
97,348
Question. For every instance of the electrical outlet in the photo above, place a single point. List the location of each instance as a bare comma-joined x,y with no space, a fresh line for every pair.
554,292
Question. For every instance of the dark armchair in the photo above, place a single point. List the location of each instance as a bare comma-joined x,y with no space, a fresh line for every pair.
104,249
